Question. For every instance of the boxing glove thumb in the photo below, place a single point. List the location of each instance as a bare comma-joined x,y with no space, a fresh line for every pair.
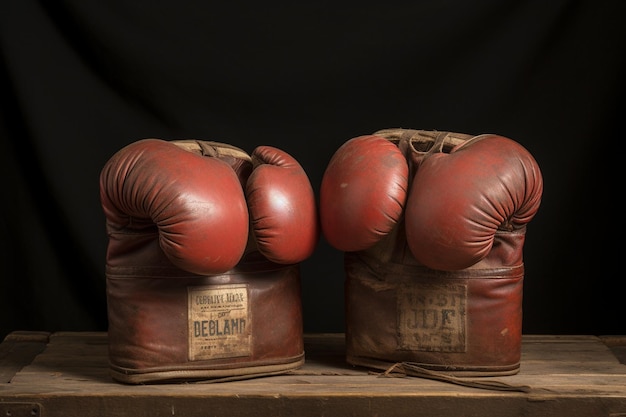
363,192
282,207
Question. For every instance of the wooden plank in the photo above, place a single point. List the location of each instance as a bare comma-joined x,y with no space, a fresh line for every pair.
617,344
568,375
18,349
577,355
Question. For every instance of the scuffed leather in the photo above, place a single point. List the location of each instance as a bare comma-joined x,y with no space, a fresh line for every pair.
157,333
394,303
491,340
148,318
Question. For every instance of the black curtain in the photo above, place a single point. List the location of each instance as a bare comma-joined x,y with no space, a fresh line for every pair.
82,78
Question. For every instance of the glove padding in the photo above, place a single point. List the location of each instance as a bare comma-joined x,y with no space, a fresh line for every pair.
460,200
363,192
463,190
193,194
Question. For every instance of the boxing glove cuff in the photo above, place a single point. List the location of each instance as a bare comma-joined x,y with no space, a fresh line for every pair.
464,323
168,325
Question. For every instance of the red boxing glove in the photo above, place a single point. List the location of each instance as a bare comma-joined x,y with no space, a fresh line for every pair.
194,203
197,204
434,275
202,268
460,200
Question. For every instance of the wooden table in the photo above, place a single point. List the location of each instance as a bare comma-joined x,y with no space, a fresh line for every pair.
66,374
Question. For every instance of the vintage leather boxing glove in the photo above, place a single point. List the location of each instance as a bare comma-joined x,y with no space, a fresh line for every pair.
432,225
202,265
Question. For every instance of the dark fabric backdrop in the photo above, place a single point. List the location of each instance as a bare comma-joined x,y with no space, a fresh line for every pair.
82,78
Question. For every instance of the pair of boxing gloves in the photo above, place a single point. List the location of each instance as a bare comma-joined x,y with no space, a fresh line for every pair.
211,202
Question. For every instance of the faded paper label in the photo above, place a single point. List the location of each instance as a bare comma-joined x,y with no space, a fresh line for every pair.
432,317
219,322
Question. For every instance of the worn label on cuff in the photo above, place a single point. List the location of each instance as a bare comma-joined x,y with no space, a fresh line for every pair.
219,322
432,317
